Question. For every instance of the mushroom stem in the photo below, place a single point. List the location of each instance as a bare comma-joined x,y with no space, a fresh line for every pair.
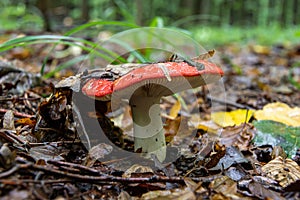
147,126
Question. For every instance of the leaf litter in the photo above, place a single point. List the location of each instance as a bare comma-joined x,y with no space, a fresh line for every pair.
43,155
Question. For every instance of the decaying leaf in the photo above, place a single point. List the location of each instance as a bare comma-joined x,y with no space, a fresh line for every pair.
253,188
45,153
8,120
26,121
239,136
232,156
279,112
7,157
232,118
285,171
174,126
134,169
226,187
54,118
176,194
97,152
275,134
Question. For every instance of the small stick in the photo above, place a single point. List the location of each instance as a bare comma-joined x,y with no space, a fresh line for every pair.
17,114
224,102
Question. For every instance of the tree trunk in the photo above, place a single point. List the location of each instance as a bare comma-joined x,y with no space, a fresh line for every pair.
44,7
85,10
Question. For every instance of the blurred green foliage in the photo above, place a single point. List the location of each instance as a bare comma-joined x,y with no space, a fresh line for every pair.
16,16
211,22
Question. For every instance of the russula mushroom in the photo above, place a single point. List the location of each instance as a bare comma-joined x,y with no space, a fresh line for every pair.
144,86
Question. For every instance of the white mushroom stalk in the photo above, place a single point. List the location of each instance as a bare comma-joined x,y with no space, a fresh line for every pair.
147,126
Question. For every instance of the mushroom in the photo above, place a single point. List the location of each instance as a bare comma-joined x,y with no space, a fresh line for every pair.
143,87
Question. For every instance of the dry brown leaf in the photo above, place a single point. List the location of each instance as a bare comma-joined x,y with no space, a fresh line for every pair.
137,169
97,152
285,171
177,194
239,136
8,120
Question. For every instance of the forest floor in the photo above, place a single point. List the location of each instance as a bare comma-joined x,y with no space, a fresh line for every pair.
253,154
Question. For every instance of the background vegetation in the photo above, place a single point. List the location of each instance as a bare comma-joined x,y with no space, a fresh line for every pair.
215,22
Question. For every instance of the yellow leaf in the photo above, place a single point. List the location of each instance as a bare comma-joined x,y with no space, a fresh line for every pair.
259,49
175,110
279,112
232,118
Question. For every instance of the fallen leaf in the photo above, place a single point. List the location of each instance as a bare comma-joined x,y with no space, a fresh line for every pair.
285,171
26,122
232,156
256,189
176,194
97,152
225,187
239,136
275,133
45,152
175,110
20,53
259,49
134,169
232,118
8,120
7,157
279,112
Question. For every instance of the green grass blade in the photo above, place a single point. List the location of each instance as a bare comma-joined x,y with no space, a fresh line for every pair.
94,23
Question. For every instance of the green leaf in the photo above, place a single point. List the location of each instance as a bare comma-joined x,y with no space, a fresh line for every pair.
275,133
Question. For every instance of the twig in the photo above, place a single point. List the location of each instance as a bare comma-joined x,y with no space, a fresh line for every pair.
101,178
59,143
224,102
13,170
20,99
22,181
109,178
11,137
17,114
73,165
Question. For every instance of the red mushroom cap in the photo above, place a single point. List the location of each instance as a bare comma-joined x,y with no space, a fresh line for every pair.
102,89
98,88
154,71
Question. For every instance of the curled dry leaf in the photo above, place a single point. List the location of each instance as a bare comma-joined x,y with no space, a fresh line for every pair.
8,120
285,171
135,169
239,136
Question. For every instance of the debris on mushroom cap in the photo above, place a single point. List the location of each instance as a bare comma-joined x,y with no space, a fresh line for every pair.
99,88
181,69
102,89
